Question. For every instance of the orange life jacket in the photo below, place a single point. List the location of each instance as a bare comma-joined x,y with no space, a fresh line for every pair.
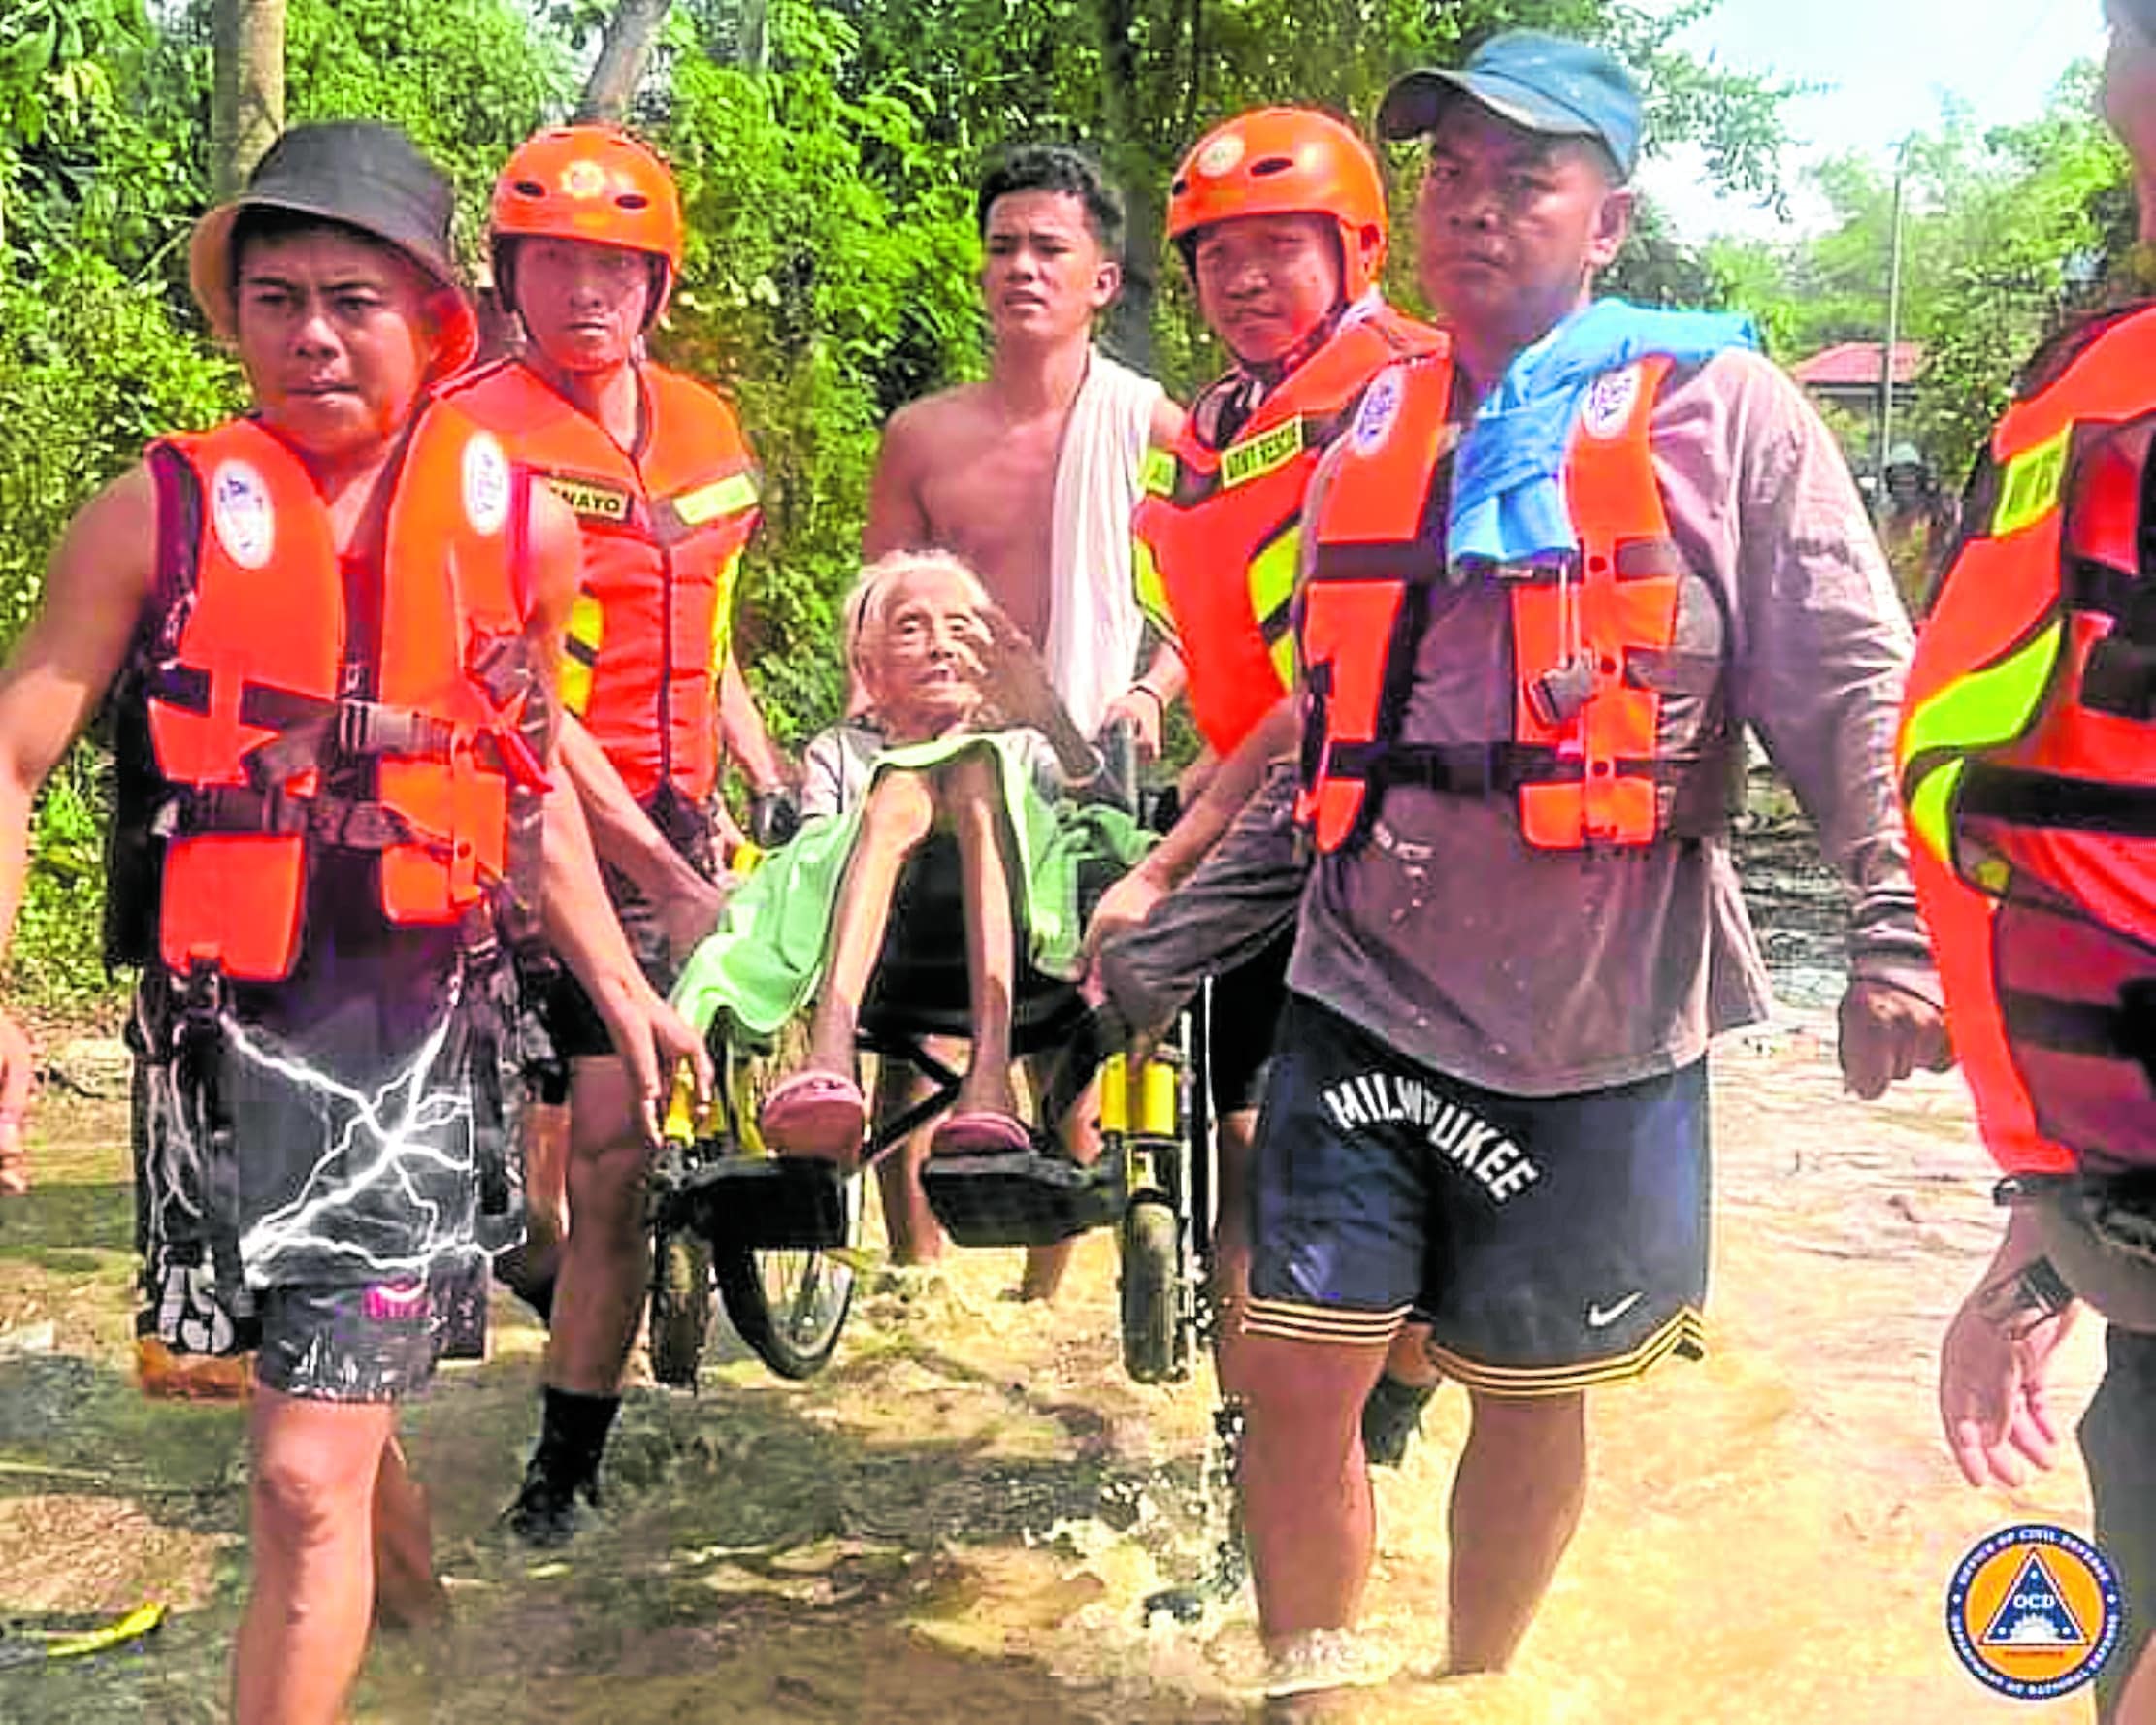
663,528
293,700
2027,766
1595,755
1219,530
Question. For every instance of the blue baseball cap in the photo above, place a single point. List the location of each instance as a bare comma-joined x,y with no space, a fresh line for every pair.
1542,82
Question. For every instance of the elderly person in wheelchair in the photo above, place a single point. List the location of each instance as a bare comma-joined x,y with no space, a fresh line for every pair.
958,800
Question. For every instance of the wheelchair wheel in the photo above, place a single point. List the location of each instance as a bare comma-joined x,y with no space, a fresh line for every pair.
680,1306
789,1306
1151,1352
787,1303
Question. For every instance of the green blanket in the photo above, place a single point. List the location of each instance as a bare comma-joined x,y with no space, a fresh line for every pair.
763,964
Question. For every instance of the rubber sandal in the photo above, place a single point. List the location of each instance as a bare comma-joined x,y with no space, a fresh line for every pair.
980,1131
1391,1417
815,1114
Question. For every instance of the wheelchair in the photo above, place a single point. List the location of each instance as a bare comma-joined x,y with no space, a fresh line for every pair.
779,1236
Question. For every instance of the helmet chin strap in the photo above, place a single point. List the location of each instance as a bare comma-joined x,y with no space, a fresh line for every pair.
1276,372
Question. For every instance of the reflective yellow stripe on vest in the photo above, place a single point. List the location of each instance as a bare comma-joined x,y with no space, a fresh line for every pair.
1982,710
722,615
587,627
729,496
1272,590
1151,591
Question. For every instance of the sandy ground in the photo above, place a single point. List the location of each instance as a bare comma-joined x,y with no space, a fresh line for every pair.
959,1519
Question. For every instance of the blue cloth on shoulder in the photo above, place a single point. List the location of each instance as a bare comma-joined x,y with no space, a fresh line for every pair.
1508,502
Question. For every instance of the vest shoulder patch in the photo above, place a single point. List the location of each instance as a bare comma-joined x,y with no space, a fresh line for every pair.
1263,453
1609,403
486,484
2029,488
241,513
1381,407
1158,473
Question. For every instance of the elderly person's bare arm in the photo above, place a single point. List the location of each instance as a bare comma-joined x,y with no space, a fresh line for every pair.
1014,679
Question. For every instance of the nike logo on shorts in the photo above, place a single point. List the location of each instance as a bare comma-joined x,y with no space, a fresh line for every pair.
1600,1317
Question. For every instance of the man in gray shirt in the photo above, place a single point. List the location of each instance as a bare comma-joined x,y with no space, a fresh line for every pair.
1524,924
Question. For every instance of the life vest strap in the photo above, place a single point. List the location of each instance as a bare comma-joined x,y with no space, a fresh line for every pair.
2124,1030
1499,769
2090,584
2024,798
348,731
341,822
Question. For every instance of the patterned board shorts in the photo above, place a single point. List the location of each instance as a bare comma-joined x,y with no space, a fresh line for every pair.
338,1226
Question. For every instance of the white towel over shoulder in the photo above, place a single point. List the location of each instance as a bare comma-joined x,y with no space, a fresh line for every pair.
1094,622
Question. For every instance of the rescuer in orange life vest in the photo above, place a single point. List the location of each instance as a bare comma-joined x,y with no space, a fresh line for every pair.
586,226
2028,758
1548,575
1280,217
330,625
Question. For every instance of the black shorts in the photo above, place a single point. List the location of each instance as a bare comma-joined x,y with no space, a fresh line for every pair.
377,1343
2118,1442
1244,1011
1549,1242
572,1024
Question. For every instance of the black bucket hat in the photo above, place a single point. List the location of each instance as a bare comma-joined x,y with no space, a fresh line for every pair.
363,174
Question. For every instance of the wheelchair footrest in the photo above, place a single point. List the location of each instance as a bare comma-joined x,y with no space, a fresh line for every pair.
1022,1197
765,1203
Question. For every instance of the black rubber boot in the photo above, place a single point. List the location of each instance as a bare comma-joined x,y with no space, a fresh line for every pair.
1390,1417
549,1510
516,1273
563,1478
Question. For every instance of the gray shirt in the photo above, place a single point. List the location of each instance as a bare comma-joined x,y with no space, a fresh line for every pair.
839,765
1542,972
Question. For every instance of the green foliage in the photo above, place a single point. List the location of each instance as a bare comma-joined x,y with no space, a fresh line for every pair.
468,80
2003,233
57,950
829,278
90,370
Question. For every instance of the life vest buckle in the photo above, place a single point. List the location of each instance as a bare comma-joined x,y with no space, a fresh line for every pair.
496,660
2120,680
1556,697
2136,1023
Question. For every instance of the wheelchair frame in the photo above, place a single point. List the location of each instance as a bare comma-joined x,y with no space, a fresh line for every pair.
779,1235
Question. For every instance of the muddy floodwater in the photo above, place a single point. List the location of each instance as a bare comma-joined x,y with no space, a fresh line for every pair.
960,1519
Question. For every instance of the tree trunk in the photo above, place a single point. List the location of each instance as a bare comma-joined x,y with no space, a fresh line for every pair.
1129,331
247,94
756,36
624,51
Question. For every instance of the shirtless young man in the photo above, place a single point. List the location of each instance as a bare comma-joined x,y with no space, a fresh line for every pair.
974,470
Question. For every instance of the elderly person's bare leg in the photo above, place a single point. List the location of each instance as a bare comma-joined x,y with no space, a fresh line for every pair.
897,817
818,1111
972,792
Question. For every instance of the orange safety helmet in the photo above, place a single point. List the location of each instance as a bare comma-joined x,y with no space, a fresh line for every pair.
1284,161
587,183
